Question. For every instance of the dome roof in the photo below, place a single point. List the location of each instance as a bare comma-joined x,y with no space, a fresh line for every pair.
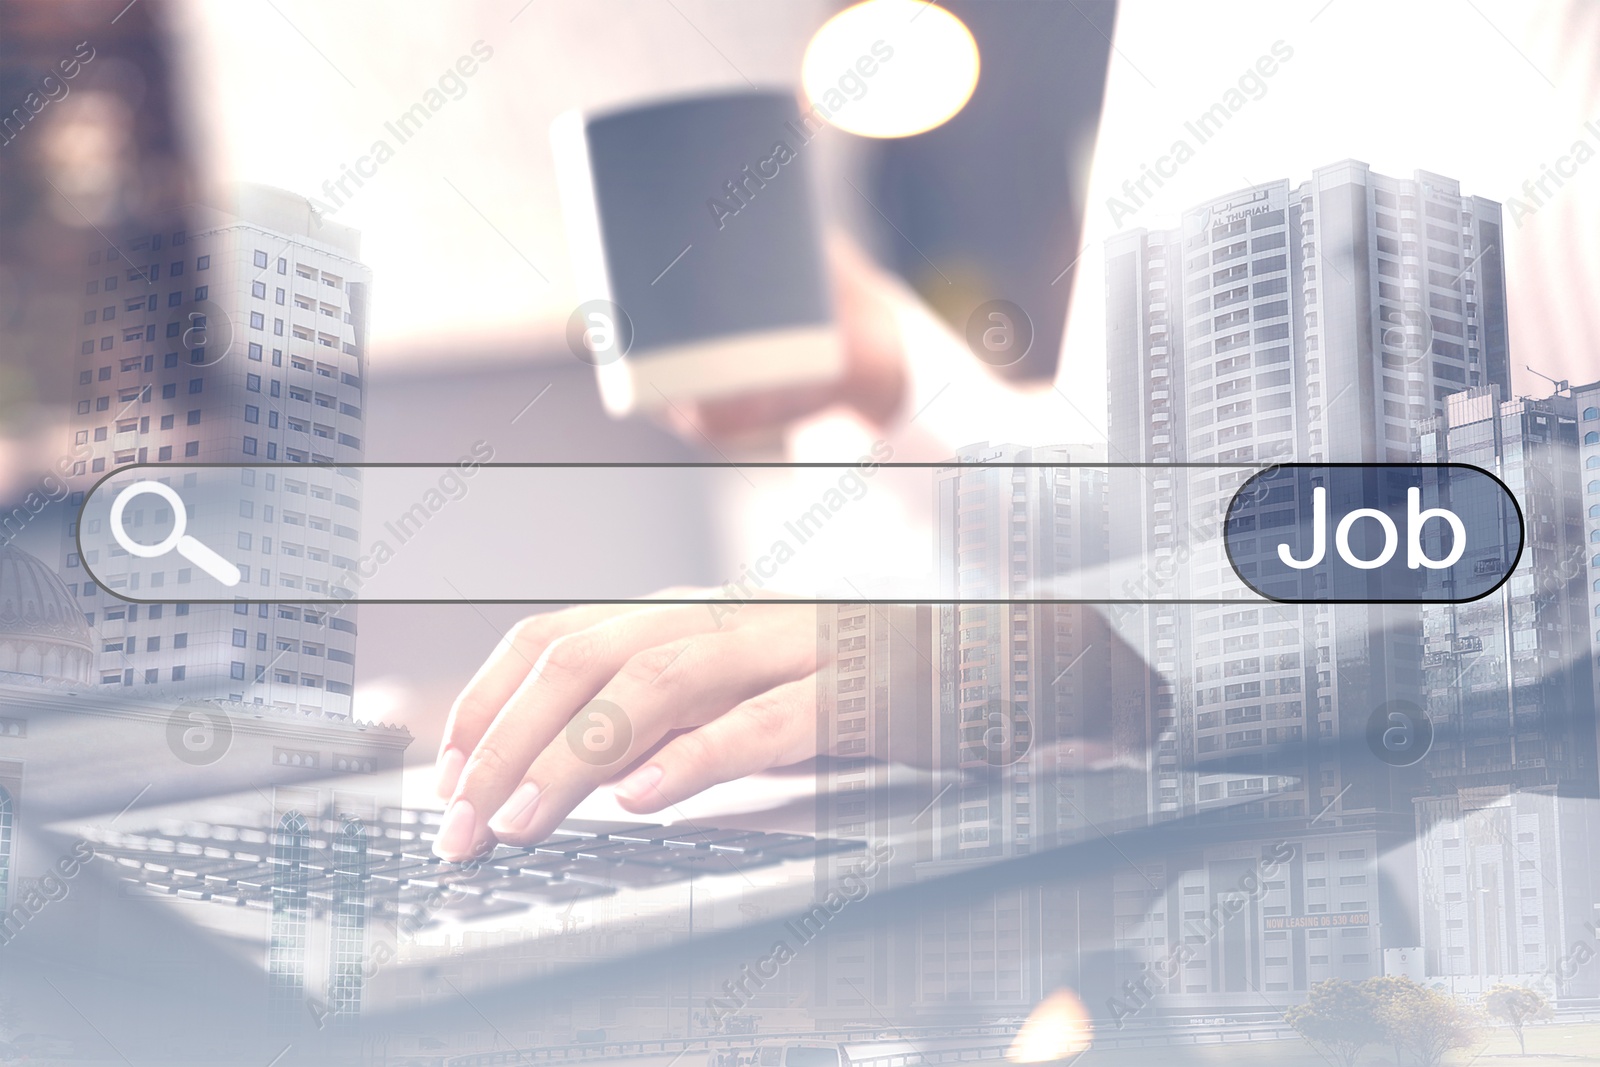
35,603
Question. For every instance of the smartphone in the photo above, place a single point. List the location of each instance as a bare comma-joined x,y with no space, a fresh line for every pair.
696,249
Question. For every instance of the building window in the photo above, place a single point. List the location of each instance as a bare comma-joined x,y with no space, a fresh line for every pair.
5,848
203,263
286,954
179,673
260,258
348,919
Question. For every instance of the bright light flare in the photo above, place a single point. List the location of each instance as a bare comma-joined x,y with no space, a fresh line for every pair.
890,68
1058,1028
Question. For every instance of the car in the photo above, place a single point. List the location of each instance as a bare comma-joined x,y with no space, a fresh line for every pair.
801,1054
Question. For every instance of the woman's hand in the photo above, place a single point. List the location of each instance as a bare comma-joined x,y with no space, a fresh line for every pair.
686,695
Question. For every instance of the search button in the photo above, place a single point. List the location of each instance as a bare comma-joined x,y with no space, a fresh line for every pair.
194,551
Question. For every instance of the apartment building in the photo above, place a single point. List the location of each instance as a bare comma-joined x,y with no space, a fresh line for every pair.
236,336
1318,321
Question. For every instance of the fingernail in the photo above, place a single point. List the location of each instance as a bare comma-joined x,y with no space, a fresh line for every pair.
448,771
456,831
516,814
642,781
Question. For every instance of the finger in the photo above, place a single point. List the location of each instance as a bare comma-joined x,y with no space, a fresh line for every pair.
685,683
506,668
775,729
567,675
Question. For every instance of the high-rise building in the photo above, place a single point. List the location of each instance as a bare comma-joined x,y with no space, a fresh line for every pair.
1586,401
876,701
1006,705
1509,679
1024,711
1311,322
1012,676
1504,828
235,336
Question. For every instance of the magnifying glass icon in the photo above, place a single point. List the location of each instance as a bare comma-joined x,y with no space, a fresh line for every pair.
186,546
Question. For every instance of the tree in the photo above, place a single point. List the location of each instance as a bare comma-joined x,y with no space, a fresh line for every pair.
1422,1021
1340,1016
1515,1005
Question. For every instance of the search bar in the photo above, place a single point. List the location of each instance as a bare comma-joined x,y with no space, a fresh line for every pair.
996,532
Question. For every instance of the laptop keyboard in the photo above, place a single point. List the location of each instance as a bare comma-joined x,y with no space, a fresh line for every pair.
396,871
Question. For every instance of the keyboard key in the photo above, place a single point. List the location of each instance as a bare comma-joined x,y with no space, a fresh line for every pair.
755,842
598,828
533,892
620,851
694,838
621,875
534,864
